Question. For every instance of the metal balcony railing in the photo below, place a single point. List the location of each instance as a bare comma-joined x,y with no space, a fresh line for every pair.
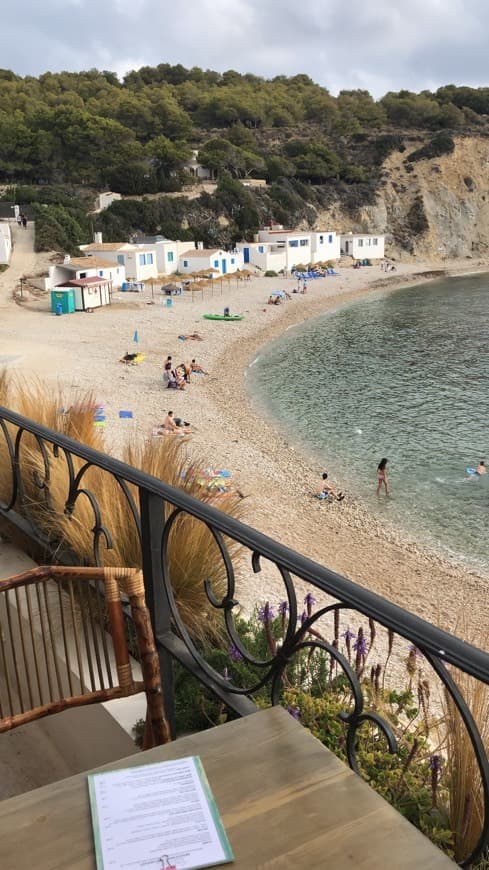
155,508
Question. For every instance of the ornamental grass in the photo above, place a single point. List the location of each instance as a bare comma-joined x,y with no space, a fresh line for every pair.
193,555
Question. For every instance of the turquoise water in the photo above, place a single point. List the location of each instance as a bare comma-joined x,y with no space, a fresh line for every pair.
404,376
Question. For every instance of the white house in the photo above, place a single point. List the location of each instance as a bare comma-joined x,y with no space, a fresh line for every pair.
5,243
75,269
196,170
325,246
139,261
264,255
197,260
296,245
105,199
363,246
168,252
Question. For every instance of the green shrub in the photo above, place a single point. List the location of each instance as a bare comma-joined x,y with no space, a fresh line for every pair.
441,143
270,273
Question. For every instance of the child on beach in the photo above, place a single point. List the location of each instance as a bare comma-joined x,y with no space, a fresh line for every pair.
382,477
326,491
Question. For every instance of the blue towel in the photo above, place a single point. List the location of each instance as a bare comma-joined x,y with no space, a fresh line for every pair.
125,415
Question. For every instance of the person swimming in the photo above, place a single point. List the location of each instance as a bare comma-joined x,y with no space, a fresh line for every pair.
481,468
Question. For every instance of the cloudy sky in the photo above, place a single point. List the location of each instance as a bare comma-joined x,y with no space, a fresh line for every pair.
379,45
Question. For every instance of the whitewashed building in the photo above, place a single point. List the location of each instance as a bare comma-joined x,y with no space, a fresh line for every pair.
325,246
363,246
197,171
105,199
265,256
139,261
5,243
79,268
197,260
168,252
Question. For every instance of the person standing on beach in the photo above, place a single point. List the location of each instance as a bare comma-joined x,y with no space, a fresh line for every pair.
382,477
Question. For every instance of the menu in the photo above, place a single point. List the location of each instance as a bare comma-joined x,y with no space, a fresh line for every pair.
161,816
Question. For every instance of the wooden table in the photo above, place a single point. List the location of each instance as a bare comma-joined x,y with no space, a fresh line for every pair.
285,801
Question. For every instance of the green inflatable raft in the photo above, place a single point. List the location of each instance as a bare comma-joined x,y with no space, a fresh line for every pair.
223,316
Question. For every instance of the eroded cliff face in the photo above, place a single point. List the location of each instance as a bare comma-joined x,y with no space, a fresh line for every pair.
434,208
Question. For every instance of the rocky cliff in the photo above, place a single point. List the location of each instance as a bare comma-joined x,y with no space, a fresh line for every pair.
434,208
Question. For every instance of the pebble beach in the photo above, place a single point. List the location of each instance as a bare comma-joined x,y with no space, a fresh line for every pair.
82,351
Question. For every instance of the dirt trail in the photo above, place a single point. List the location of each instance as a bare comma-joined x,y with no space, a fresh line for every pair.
23,261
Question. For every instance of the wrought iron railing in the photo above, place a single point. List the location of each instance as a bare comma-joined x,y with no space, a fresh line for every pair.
155,509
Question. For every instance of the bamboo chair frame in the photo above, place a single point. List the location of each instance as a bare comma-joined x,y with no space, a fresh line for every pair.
37,679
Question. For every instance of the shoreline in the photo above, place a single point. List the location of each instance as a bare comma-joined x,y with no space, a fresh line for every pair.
444,593
82,352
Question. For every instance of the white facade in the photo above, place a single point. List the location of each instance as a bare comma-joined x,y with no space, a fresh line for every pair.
5,243
139,261
194,168
325,246
168,253
224,262
363,246
263,255
105,199
89,296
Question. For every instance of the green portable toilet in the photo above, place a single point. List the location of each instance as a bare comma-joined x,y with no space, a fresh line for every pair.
64,297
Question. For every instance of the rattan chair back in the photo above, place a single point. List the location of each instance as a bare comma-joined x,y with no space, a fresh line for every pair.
65,642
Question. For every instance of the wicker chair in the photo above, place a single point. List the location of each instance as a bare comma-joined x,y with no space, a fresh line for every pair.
64,642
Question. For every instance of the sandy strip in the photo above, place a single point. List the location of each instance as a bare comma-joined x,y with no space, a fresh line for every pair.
83,350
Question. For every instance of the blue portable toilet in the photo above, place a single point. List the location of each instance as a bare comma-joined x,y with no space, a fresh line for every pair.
169,302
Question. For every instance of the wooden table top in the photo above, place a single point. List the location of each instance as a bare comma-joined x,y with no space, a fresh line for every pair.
284,799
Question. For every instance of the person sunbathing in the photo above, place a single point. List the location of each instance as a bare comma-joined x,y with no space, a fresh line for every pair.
326,491
196,367
174,425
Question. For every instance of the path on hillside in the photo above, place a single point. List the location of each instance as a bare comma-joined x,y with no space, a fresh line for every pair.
22,262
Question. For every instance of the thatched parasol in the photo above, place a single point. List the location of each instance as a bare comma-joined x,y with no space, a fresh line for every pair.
193,287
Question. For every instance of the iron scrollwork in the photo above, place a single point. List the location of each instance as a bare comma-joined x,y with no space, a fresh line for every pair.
27,454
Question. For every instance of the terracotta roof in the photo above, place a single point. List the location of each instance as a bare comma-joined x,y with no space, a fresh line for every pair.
89,263
207,252
87,282
105,246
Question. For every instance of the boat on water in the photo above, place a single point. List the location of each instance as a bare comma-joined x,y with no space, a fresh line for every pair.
223,316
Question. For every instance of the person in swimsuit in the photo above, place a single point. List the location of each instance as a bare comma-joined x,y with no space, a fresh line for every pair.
326,491
481,468
382,477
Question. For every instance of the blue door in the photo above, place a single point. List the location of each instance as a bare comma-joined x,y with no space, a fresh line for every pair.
246,255
224,267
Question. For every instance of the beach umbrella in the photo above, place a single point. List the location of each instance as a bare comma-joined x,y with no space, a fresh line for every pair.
194,286
136,337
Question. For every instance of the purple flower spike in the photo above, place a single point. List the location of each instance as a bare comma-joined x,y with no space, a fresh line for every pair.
303,617
361,646
283,608
309,601
266,614
435,763
234,653
294,712
348,634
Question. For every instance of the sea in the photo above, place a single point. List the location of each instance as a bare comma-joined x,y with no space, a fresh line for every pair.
403,375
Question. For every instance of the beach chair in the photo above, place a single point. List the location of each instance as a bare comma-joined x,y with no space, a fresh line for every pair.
66,644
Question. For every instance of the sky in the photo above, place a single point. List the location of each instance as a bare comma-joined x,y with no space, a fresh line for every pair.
341,44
